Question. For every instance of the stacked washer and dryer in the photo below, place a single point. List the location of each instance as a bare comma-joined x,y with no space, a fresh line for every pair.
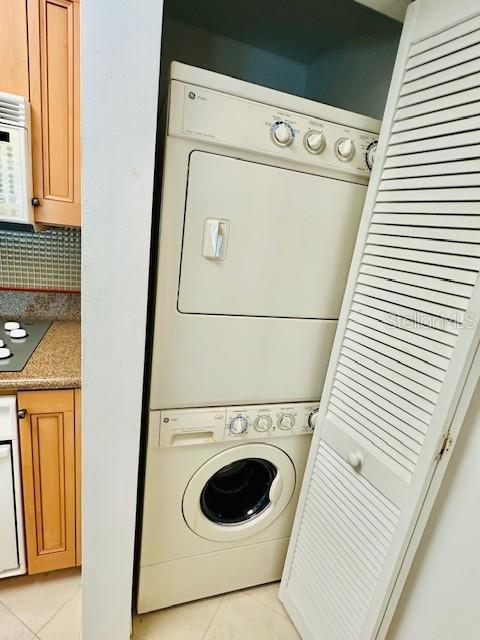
262,197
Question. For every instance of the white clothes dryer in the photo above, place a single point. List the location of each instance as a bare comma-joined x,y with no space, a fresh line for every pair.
261,201
221,491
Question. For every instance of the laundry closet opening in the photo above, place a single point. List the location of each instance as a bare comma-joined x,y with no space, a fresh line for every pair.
335,51
269,128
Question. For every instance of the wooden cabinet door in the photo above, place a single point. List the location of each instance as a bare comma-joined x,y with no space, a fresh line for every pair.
14,47
47,446
54,47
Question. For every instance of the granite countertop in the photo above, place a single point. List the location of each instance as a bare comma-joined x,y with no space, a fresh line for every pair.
55,363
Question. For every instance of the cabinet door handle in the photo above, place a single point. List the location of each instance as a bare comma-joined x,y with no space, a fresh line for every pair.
22,413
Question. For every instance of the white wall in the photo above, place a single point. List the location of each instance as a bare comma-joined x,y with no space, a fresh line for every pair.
441,597
120,64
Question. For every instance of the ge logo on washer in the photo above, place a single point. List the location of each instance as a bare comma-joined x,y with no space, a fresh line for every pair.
191,95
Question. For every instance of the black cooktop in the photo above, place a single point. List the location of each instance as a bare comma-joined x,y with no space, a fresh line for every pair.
20,349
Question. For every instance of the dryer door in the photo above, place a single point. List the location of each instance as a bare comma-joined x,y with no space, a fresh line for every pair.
239,492
264,241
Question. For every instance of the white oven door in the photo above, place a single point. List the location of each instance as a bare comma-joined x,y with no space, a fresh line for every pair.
8,528
264,241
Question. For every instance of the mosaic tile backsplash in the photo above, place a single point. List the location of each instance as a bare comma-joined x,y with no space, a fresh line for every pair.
43,261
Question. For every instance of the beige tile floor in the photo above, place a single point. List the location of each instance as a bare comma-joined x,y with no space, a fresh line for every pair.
48,607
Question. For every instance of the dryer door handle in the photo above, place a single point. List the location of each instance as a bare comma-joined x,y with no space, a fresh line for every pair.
275,489
215,238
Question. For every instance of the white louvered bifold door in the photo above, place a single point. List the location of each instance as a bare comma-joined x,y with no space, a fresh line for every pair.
405,340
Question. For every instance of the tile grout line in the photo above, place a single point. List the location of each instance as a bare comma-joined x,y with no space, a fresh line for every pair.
267,606
19,619
57,612
220,602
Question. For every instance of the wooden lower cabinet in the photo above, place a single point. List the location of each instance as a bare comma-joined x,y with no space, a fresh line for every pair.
50,461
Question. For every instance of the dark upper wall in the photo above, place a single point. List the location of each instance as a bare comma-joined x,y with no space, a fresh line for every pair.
356,73
214,52
333,51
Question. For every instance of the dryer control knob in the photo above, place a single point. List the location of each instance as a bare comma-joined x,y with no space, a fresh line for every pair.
315,141
345,149
370,155
286,421
312,419
5,353
238,425
282,133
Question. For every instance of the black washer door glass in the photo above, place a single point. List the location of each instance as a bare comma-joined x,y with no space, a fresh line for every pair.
238,492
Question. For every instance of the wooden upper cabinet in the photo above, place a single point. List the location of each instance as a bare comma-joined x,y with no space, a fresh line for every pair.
54,47
47,452
14,47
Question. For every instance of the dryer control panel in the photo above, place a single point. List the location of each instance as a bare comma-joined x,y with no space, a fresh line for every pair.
177,427
220,118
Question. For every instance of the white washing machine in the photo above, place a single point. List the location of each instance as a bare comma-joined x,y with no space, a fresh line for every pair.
262,197
220,496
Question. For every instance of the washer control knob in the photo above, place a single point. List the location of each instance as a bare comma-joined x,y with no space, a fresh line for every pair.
238,425
370,155
312,419
262,423
282,133
345,149
286,421
315,141
4,353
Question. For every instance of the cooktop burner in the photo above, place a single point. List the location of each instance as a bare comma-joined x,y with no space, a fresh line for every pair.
18,340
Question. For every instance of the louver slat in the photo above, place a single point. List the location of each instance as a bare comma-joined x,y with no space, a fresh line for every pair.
443,49
437,131
432,182
437,170
445,102
442,142
431,157
446,62
424,231
438,91
447,35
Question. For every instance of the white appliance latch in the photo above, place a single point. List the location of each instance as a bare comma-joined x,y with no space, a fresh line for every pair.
215,238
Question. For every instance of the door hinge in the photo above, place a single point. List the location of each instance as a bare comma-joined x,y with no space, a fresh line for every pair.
446,444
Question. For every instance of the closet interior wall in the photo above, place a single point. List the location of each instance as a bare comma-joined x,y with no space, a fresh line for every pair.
338,53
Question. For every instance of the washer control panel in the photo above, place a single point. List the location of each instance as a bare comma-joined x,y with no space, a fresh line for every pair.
175,427
220,118
269,421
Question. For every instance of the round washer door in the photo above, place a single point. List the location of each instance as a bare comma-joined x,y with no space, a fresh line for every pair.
239,492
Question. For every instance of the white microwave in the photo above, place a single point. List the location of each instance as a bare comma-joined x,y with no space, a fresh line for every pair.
15,160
